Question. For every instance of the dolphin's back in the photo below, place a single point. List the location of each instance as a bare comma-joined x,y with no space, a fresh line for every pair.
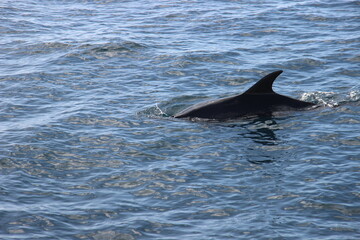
258,100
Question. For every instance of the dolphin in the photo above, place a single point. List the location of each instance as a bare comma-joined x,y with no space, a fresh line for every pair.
260,99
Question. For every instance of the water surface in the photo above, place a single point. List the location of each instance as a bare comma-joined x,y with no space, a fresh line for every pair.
88,150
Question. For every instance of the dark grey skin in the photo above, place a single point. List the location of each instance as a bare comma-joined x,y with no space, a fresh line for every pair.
260,99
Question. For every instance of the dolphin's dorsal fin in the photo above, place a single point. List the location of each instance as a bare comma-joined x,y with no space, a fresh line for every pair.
264,85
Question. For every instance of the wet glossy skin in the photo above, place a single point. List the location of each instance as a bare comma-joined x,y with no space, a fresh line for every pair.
260,99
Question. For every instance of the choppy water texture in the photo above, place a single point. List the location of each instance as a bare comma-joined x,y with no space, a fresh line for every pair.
88,150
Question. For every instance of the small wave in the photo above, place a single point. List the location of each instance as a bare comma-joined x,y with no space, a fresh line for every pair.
171,107
106,50
332,99
126,46
323,98
303,63
42,48
354,95
155,112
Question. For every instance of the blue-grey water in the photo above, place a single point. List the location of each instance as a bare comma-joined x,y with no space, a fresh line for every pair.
88,149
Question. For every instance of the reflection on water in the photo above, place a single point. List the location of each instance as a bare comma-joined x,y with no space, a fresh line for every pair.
262,132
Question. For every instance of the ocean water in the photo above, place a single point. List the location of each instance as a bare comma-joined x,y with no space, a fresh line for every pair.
89,150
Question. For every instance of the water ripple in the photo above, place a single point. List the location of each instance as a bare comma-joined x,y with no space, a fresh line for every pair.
89,149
